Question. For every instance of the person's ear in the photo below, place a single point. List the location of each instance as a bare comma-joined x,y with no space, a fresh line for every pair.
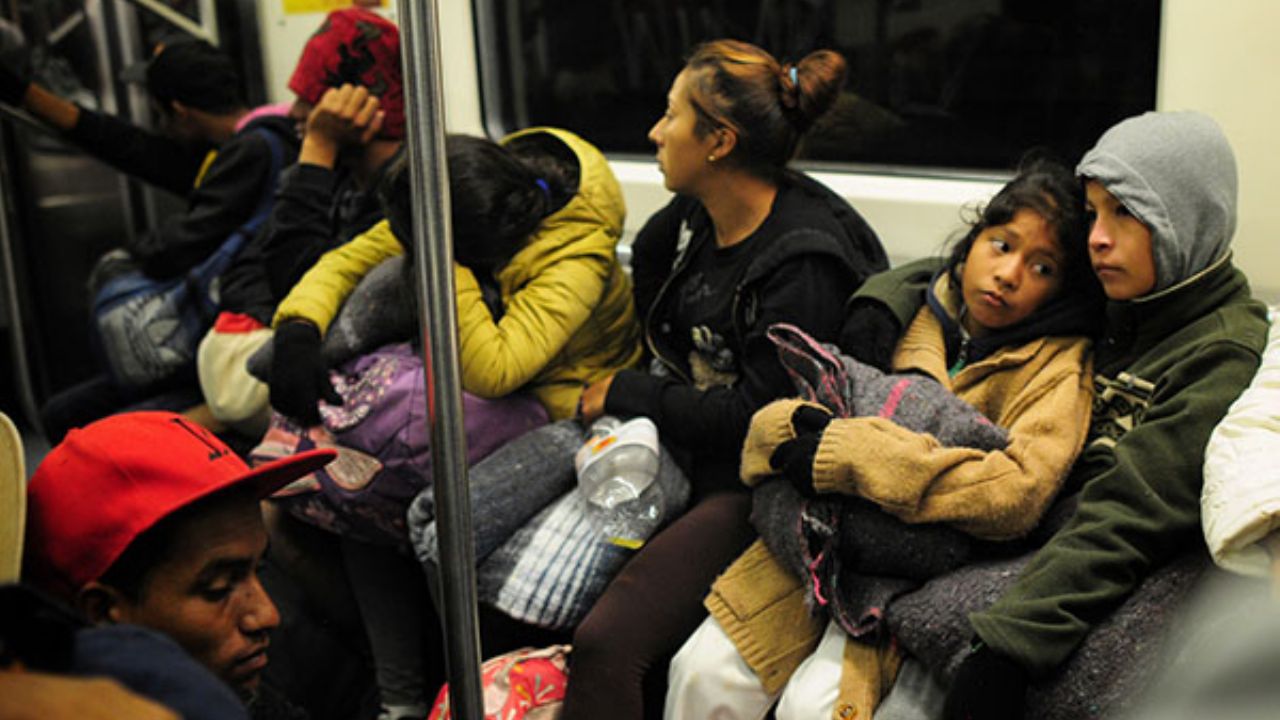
100,604
726,139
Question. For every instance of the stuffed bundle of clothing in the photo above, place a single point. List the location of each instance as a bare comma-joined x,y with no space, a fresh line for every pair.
852,556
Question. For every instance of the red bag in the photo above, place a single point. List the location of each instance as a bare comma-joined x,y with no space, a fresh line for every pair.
524,684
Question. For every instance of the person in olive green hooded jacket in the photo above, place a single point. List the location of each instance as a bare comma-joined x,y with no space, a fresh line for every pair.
1183,339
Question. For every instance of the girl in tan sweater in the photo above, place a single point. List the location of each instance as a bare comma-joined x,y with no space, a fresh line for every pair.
1003,326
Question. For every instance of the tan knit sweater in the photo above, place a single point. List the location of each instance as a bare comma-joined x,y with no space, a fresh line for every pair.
1039,392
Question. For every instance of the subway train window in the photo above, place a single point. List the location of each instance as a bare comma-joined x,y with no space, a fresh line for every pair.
932,84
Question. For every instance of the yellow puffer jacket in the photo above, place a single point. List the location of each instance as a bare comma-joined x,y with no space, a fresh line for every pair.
568,319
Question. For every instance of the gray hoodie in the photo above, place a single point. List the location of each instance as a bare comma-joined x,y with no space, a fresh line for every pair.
1187,198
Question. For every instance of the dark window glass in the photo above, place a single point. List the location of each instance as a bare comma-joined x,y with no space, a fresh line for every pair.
932,83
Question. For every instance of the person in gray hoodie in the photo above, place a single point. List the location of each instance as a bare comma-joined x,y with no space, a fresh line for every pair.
1183,338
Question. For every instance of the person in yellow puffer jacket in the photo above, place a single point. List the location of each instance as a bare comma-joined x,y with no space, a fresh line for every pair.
536,221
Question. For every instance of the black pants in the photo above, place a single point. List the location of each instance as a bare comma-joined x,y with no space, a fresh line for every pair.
99,397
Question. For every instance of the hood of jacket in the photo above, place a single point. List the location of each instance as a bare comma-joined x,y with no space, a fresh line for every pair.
279,124
1176,172
598,205
1149,320
832,228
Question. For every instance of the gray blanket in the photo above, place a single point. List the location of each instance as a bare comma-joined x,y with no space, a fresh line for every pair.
852,556
375,314
542,559
1105,674
507,489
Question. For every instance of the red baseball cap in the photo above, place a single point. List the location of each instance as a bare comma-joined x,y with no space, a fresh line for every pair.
358,47
112,480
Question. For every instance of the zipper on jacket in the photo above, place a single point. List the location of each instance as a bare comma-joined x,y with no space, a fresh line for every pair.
962,358
676,268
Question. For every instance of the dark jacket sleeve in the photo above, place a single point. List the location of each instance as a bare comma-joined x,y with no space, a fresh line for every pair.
226,199
301,227
900,290
1139,506
804,291
152,158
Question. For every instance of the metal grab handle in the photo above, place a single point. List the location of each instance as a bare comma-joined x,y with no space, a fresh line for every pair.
21,117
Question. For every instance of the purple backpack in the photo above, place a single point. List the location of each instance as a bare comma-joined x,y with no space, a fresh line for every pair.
385,446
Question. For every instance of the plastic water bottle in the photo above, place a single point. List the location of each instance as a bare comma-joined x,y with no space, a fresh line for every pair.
616,467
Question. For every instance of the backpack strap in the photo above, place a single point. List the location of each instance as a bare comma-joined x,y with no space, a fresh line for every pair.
236,240
267,201
200,278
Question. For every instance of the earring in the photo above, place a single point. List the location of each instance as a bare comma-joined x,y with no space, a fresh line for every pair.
711,158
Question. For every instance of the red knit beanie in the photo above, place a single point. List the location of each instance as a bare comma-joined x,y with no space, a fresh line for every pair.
359,47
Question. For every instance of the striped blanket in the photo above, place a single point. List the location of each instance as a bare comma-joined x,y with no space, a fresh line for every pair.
542,559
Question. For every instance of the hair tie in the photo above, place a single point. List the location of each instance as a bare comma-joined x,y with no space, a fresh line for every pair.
789,96
546,189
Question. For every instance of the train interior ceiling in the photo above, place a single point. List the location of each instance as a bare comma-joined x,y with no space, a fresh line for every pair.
943,98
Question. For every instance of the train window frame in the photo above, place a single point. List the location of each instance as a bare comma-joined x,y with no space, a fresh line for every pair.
504,106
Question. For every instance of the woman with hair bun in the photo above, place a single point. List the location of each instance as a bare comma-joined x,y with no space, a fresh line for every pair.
744,244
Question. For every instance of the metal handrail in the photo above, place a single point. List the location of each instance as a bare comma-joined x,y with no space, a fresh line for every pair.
24,118
208,33
433,265
12,300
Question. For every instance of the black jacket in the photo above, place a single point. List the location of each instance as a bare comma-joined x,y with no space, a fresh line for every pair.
815,250
318,209
225,198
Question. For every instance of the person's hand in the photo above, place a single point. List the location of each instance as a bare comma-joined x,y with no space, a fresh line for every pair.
809,419
40,696
13,85
347,115
591,405
988,686
794,458
870,334
299,377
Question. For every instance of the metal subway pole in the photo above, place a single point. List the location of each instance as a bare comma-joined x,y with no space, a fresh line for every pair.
433,263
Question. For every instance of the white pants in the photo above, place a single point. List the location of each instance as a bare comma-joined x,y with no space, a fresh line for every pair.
916,695
709,680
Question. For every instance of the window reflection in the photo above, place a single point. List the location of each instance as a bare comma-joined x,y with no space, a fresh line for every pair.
933,83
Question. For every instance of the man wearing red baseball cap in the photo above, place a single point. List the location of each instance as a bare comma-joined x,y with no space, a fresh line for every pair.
147,518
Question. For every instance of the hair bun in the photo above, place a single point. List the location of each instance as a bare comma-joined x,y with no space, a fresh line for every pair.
789,83
769,105
815,81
